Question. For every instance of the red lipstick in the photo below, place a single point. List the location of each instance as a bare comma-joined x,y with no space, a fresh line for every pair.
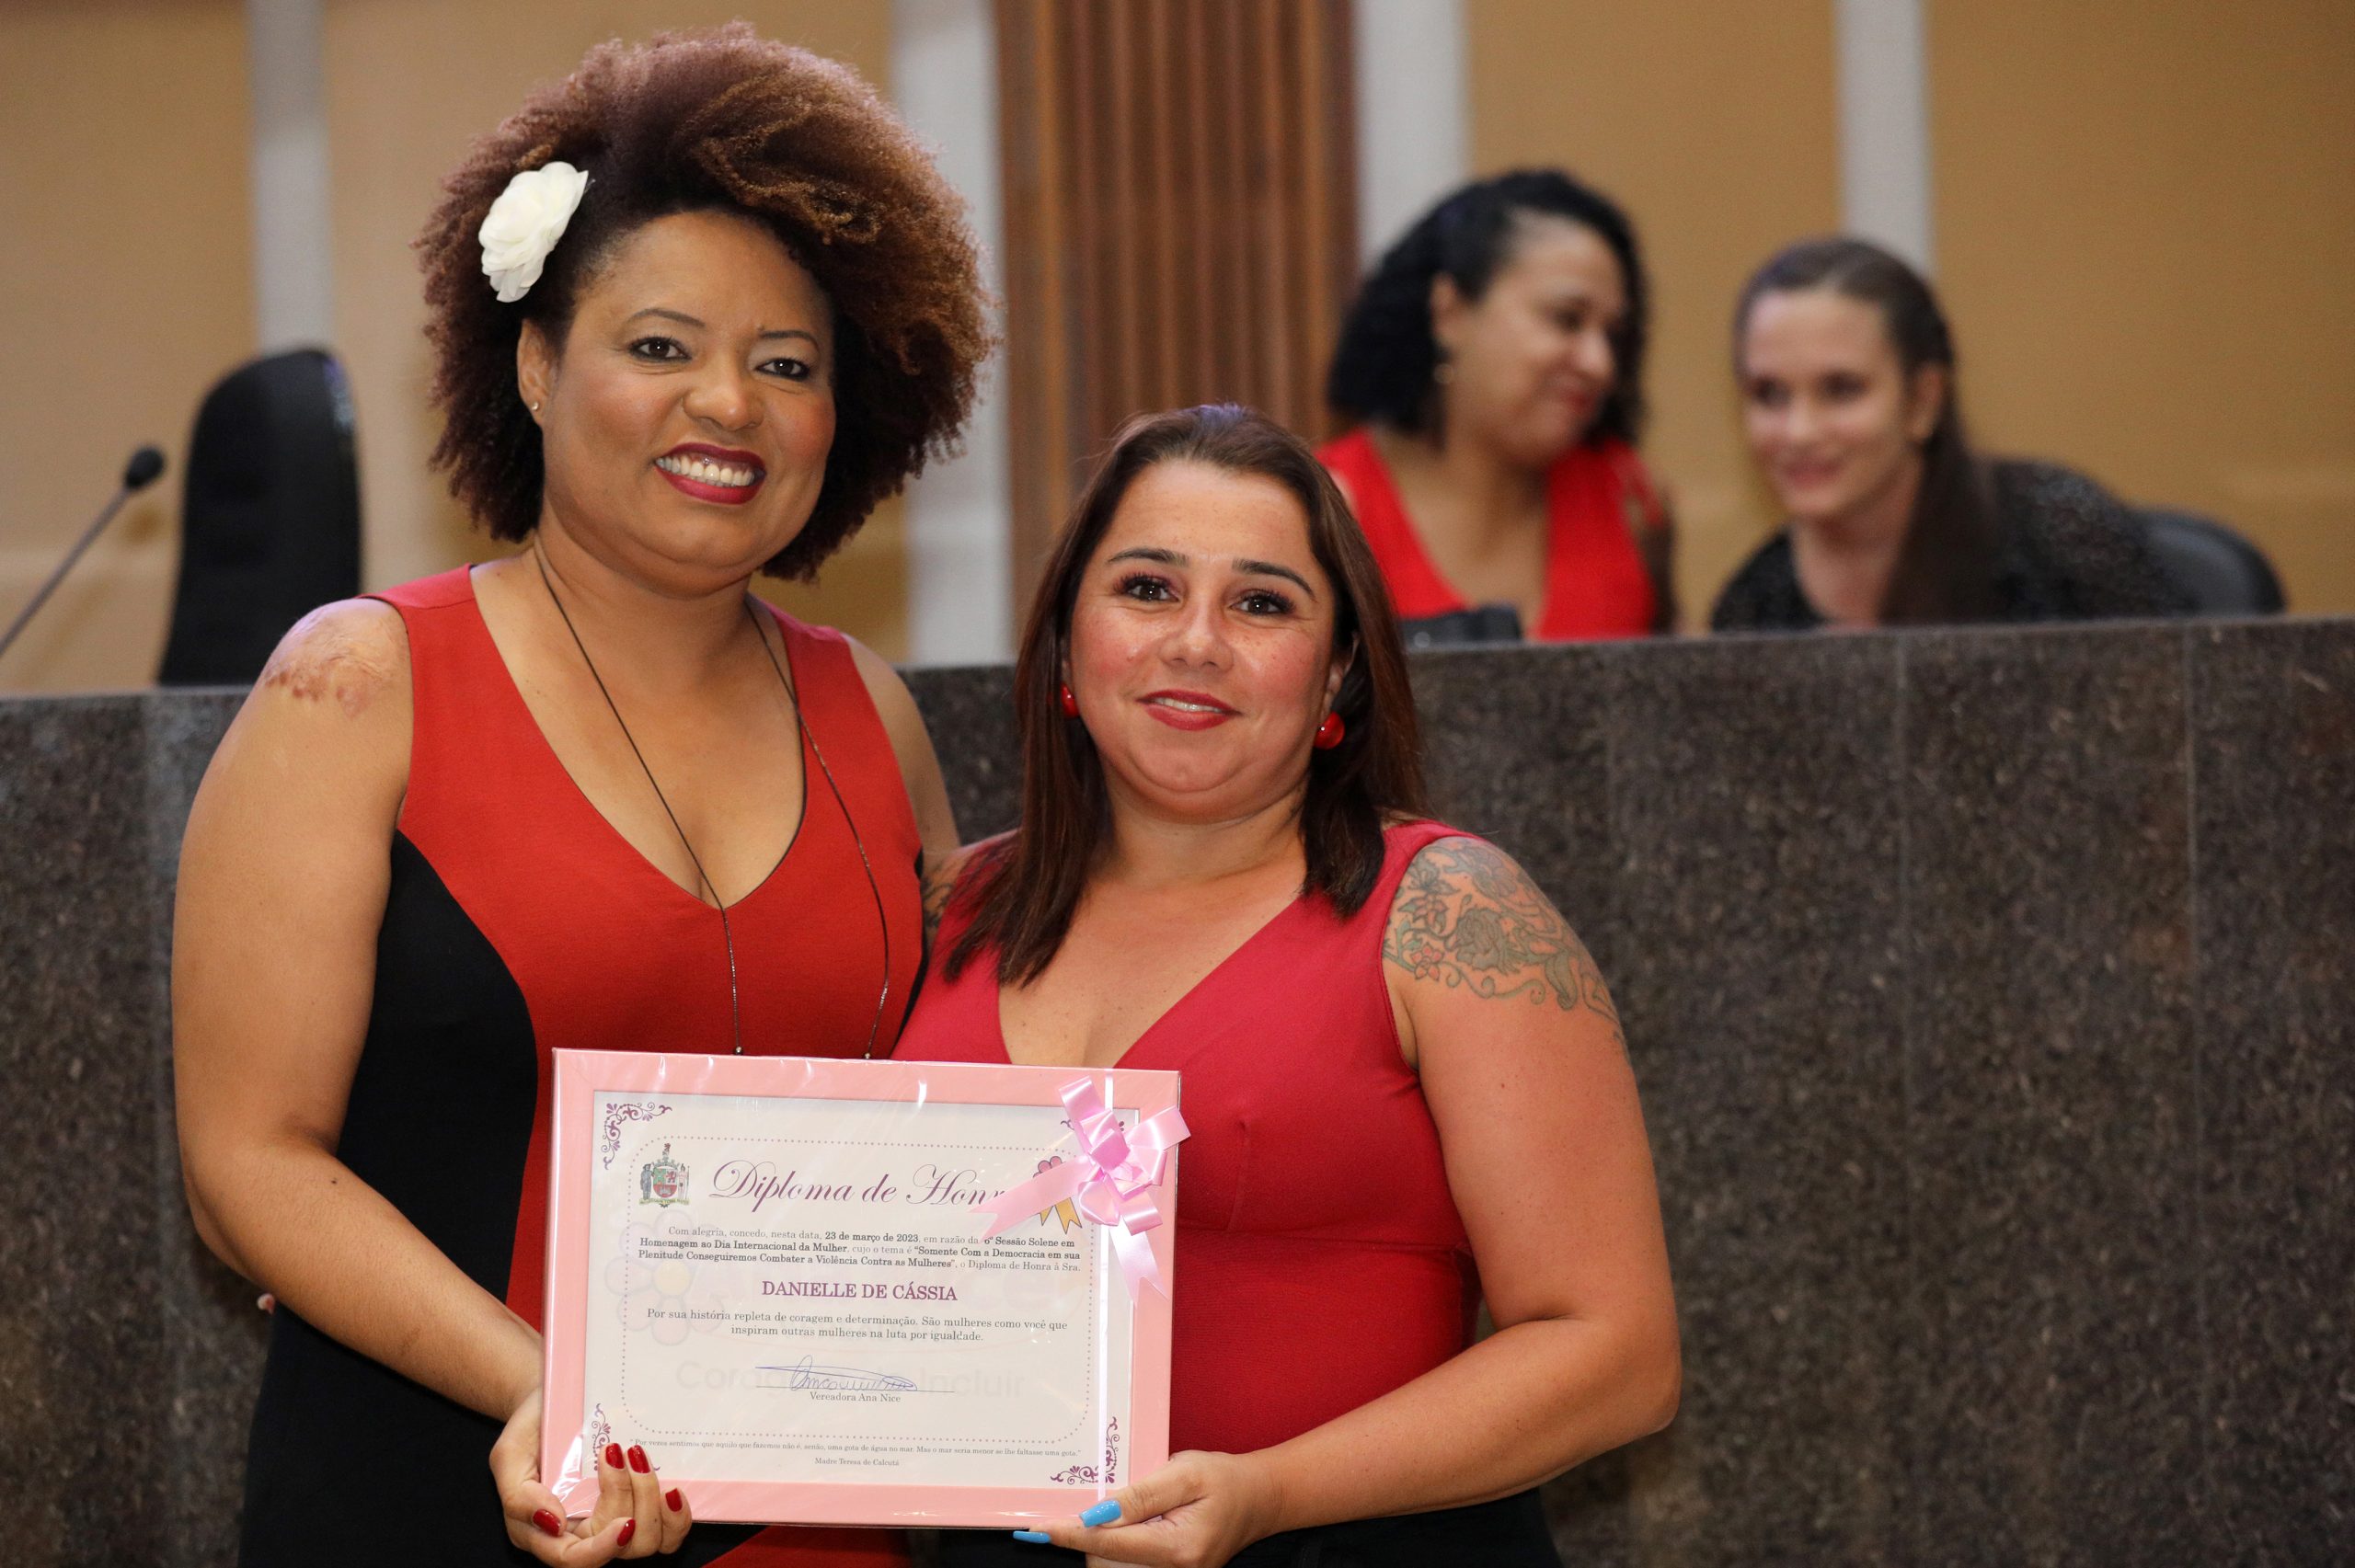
703,487
1202,711
729,454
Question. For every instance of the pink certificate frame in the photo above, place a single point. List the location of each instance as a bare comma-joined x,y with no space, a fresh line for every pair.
581,1076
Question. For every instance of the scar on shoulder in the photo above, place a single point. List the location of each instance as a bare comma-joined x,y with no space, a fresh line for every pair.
336,653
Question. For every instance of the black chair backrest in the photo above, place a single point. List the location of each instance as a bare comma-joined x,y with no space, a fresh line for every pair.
2224,574
1463,629
269,523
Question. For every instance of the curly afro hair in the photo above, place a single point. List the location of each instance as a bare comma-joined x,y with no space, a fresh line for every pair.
1383,367
718,120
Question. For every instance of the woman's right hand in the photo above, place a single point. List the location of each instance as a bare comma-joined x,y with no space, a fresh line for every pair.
635,1517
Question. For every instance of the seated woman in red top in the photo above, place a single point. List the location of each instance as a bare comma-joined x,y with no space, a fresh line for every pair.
1406,1085
1493,365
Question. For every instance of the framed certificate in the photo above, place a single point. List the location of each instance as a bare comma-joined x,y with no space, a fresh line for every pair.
859,1292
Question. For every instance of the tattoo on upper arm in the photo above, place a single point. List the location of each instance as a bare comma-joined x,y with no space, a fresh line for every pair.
1468,916
331,655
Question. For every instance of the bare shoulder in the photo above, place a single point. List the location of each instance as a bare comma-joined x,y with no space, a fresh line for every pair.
902,721
1469,919
910,747
332,704
884,685
349,656
321,747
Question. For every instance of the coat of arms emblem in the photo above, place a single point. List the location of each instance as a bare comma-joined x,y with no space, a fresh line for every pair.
662,1180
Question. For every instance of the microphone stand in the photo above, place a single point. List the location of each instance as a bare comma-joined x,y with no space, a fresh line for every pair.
137,474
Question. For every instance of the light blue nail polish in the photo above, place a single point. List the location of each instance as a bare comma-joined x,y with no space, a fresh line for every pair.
1104,1512
1038,1538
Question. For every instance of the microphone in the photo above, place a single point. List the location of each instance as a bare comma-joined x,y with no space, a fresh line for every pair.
146,466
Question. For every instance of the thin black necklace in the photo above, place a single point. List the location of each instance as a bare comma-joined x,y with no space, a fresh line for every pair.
801,729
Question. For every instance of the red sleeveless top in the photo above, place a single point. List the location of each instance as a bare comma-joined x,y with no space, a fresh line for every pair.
608,953
1596,582
1320,1259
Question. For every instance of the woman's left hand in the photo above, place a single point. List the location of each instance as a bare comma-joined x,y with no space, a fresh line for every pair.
1194,1512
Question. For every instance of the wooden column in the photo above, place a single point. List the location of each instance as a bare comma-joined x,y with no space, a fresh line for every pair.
1181,206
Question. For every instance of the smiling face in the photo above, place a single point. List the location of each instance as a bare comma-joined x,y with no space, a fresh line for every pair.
1201,645
1831,415
1534,358
686,421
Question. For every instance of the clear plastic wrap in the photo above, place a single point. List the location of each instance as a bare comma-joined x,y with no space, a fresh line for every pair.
859,1292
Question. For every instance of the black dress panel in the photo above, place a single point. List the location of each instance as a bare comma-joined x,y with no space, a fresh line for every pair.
351,1464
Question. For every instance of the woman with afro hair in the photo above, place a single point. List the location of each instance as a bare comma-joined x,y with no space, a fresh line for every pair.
1492,364
695,311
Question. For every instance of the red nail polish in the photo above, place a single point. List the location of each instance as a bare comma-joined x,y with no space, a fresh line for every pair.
638,1460
672,1497
629,1528
614,1456
549,1524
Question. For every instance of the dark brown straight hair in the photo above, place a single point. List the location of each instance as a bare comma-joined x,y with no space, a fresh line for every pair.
1946,568
1024,889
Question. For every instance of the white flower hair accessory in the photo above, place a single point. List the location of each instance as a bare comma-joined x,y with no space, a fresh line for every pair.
525,224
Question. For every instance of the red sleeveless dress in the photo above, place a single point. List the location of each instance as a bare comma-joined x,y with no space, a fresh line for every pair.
517,922
1597,584
1320,1260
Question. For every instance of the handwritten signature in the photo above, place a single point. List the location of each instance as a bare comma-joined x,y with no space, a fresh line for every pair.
803,1374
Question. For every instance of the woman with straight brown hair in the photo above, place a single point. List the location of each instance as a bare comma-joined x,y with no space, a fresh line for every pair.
1852,412
1405,1081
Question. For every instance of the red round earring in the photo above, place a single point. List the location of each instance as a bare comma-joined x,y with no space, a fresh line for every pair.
1329,733
1070,703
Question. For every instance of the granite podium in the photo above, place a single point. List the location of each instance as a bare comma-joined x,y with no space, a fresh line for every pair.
1989,991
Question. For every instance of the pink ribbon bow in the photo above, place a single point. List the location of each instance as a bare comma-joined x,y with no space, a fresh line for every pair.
1111,1179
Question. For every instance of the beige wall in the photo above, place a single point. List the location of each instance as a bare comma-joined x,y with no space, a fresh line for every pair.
2146,236
2145,233
124,126
2145,215
125,289
1716,126
410,83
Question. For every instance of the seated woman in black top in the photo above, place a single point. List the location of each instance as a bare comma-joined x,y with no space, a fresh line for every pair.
1847,374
